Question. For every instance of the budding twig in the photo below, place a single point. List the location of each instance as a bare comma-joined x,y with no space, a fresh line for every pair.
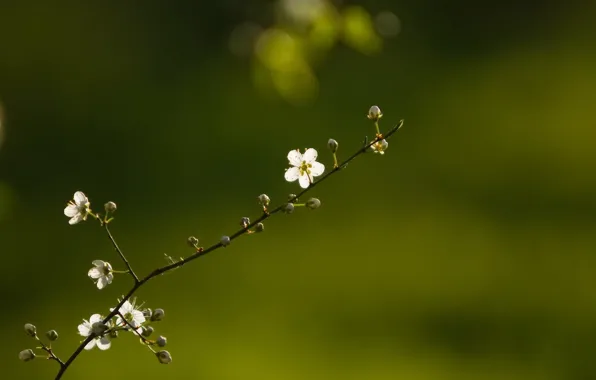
225,241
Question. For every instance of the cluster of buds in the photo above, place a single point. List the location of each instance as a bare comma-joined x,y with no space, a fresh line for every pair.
28,354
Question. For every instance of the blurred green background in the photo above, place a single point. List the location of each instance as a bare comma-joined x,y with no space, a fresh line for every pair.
466,252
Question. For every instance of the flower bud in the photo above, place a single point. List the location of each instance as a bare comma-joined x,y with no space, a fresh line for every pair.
161,341
259,227
332,144
158,315
289,208
291,197
164,357
264,200
147,313
114,334
313,203
147,331
52,335
110,207
30,329
27,355
225,241
374,113
244,222
192,241
98,328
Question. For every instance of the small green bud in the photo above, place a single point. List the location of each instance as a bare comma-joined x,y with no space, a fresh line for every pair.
244,222
164,357
313,203
332,144
110,207
27,355
192,241
99,328
161,341
30,329
114,334
147,331
259,227
374,113
158,315
264,200
289,208
52,335
225,241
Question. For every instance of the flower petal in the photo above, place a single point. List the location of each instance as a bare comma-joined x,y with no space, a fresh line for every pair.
103,343
94,273
138,316
95,318
84,328
90,345
80,198
75,219
292,174
295,157
304,181
71,210
102,282
310,155
317,169
98,263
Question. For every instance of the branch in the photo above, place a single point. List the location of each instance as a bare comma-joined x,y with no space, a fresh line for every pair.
132,273
203,252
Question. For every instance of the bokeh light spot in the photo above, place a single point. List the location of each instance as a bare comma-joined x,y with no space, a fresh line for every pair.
387,24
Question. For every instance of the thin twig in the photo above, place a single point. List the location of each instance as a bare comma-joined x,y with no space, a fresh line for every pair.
203,252
132,272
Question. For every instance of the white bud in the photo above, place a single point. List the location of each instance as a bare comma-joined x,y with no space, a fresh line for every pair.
158,315
374,113
259,227
110,207
161,341
332,144
313,203
225,241
164,357
289,208
27,355
30,329
264,200
244,222
291,197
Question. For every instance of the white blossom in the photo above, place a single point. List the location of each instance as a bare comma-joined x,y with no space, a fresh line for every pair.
77,209
101,273
132,315
304,167
86,328
379,146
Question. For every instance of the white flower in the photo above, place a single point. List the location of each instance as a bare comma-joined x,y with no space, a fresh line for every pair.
101,273
379,146
132,315
78,209
85,329
304,167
